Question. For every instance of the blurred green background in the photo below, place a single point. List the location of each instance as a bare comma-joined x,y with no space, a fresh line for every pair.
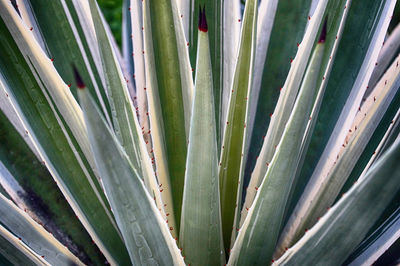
112,10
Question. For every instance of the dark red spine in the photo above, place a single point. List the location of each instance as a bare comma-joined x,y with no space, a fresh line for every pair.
78,79
322,36
202,20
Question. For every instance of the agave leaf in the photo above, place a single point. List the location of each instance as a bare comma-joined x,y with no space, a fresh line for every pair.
232,21
126,125
201,216
285,103
65,53
354,86
385,57
168,85
387,140
360,133
258,235
144,231
377,243
15,252
56,144
4,192
136,40
234,138
185,69
42,66
159,150
339,231
214,10
384,136
33,189
265,24
353,78
184,10
25,11
288,29
338,10
127,43
33,235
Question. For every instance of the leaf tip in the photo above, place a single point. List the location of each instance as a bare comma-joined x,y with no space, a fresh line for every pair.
202,19
322,36
78,79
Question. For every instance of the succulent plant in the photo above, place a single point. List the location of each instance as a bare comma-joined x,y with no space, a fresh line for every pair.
220,135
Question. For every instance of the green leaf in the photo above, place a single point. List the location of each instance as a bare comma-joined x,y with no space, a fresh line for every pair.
288,29
258,235
15,253
156,121
126,125
361,41
53,139
33,235
265,22
215,21
385,134
127,35
232,21
342,111
234,138
337,233
201,216
378,242
139,75
145,233
386,55
285,103
358,137
65,46
169,81
37,193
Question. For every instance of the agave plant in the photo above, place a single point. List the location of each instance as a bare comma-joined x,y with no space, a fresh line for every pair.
224,133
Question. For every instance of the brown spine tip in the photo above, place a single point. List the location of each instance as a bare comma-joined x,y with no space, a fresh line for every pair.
202,19
78,79
322,36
